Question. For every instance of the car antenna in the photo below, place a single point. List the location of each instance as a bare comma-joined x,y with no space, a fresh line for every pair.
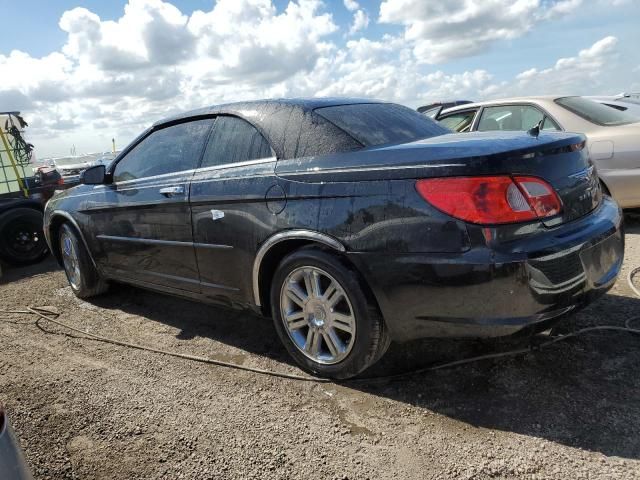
535,131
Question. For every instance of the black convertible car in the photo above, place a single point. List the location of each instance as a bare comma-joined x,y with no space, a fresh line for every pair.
351,222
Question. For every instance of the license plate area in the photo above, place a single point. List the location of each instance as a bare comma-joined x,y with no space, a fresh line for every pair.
600,260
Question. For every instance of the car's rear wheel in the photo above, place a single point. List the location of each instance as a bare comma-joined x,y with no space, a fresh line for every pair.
21,238
82,275
324,315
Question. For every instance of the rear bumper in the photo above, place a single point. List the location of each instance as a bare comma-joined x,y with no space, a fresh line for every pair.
494,292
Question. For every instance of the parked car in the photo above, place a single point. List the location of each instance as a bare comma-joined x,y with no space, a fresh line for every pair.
613,137
350,222
71,167
433,109
12,464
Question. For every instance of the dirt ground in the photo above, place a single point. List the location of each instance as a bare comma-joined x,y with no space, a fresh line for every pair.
83,409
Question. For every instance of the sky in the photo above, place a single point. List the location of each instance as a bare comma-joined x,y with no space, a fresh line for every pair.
84,72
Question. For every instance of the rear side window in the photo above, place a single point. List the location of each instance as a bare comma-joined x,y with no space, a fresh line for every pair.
432,112
171,149
595,112
458,122
549,124
234,140
511,118
381,123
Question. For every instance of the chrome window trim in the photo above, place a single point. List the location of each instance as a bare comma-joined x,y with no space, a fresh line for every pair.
224,166
280,237
152,177
226,179
201,169
371,169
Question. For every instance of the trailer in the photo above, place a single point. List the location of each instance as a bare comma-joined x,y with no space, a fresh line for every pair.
23,193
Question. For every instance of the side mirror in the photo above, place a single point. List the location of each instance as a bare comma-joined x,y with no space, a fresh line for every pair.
93,175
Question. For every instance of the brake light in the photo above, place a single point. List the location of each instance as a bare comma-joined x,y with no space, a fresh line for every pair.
491,200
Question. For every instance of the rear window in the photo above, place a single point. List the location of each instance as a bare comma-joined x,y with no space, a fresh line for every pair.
595,112
381,123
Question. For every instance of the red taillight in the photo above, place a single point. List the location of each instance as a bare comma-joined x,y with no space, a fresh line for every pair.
491,200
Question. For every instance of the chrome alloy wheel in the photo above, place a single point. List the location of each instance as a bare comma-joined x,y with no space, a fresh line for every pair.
71,260
317,315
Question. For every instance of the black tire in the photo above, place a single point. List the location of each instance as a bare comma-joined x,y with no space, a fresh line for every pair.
21,239
371,339
84,280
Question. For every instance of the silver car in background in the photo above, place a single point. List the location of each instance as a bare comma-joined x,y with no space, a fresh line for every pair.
613,136
12,464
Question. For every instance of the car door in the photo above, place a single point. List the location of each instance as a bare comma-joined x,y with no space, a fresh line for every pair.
231,207
514,117
143,221
459,121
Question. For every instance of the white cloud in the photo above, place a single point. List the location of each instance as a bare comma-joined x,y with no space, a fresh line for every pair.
113,78
360,22
351,5
441,31
573,74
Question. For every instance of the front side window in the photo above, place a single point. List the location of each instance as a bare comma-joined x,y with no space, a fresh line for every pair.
171,149
595,112
234,140
381,123
458,122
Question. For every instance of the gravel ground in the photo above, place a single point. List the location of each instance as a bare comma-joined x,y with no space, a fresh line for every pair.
84,409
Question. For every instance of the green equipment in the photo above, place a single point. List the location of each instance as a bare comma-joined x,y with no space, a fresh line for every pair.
21,195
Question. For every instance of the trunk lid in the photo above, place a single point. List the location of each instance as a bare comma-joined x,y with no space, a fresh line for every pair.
555,157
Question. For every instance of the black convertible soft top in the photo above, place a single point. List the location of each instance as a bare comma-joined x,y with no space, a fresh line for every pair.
289,125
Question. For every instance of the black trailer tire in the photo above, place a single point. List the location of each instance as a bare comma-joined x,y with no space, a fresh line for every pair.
325,316
83,277
21,238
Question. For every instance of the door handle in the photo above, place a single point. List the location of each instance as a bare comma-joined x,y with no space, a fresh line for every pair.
171,191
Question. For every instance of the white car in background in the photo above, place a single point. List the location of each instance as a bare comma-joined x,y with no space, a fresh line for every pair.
70,167
613,136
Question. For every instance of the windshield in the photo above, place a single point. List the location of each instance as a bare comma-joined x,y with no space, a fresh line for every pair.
595,112
381,123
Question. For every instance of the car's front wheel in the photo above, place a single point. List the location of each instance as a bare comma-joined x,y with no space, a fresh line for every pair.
82,275
324,316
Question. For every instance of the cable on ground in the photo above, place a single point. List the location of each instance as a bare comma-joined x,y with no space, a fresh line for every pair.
51,316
